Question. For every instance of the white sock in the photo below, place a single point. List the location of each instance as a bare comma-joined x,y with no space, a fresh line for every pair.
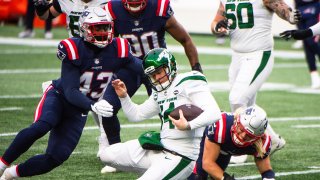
2,164
13,171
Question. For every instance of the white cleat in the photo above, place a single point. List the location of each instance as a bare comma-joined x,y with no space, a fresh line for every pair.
7,175
238,159
108,169
277,144
26,34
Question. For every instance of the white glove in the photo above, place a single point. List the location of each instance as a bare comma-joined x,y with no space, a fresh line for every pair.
102,108
295,16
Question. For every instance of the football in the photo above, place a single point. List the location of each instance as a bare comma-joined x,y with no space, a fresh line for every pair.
190,112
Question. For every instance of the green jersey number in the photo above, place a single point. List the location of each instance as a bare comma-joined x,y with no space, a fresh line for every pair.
165,116
73,25
235,13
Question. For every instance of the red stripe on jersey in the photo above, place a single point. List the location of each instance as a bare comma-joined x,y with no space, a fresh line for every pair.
68,49
38,111
4,162
267,143
126,45
162,7
220,132
75,48
110,10
123,47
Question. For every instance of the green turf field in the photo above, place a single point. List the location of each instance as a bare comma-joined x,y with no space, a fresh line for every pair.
293,109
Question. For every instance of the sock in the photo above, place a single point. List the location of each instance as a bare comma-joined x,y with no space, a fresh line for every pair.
3,164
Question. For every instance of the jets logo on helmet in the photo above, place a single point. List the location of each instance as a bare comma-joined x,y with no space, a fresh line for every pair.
96,26
154,61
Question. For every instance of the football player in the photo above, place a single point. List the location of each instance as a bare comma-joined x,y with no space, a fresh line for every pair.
73,9
170,154
235,134
144,24
88,64
310,10
249,25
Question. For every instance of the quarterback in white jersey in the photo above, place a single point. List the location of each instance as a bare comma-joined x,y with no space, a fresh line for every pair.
249,24
179,139
72,8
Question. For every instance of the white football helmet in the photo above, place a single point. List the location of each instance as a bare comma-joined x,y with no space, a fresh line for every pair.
96,26
249,126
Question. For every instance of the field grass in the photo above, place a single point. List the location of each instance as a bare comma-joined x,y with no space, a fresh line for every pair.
22,89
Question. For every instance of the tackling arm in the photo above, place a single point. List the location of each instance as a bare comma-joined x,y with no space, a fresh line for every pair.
264,167
177,31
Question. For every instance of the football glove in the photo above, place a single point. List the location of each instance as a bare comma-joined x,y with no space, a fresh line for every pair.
227,176
296,34
222,24
41,6
294,16
197,67
102,108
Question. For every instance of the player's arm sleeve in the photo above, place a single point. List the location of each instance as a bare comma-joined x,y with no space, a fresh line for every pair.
315,29
135,64
140,112
199,93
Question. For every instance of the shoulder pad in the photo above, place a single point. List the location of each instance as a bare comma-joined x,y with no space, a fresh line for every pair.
217,131
67,49
162,7
122,47
108,8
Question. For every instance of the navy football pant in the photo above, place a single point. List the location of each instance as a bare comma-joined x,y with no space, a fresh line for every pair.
111,125
310,15
65,123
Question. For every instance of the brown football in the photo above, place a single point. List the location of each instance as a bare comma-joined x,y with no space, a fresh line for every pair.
190,112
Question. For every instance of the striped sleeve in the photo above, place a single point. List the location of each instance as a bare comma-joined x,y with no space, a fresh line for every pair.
162,7
69,47
218,131
109,9
122,47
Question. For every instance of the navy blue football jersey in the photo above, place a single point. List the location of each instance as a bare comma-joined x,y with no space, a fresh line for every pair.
300,3
144,32
89,69
220,132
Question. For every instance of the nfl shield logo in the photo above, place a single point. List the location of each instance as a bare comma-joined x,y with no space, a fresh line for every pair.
136,23
96,61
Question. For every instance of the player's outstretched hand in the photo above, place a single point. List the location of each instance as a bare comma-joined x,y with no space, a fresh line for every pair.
182,123
295,16
102,108
296,34
120,88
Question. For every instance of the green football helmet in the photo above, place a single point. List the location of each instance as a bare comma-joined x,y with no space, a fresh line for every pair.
153,62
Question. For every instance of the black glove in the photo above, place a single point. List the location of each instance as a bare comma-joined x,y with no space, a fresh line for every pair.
296,34
41,6
226,176
221,24
197,67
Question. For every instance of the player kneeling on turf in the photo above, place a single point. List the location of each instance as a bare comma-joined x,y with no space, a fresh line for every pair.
170,154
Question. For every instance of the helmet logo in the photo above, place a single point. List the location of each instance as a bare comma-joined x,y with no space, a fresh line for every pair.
165,54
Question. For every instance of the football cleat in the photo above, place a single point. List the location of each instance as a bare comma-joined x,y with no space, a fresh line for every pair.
238,159
277,144
108,169
26,34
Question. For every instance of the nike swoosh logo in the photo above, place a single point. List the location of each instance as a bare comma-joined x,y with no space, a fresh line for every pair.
84,115
167,158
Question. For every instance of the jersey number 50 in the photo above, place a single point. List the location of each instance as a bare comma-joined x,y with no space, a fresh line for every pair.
241,15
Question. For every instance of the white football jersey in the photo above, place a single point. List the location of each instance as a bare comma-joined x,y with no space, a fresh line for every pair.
186,88
251,25
73,9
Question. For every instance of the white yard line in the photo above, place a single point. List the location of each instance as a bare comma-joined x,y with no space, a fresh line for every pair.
129,126
11,109
282,174
174,48
307,126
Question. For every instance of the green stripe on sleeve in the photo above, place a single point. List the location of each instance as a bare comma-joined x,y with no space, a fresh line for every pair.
202,78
